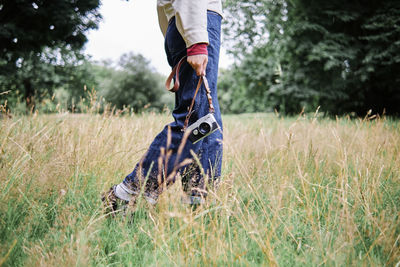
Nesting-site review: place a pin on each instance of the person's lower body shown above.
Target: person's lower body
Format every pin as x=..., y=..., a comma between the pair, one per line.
x=169, y=154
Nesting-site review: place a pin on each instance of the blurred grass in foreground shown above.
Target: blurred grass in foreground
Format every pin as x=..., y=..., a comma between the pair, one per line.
x=295, y=191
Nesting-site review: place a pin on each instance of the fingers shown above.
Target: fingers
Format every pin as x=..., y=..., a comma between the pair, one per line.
x=198, y=63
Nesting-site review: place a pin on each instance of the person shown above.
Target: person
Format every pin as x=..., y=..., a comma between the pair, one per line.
x=191, y=28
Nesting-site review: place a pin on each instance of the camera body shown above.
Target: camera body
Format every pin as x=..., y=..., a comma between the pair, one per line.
x=202, y=127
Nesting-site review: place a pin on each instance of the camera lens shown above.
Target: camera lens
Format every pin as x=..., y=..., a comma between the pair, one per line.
x=204, y=128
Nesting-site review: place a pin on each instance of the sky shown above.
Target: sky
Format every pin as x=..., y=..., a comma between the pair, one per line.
x=132, y=26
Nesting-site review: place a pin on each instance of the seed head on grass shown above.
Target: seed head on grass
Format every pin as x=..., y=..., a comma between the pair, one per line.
x=294, y=191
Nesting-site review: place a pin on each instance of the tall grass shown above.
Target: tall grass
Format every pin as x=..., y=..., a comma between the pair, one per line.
x=296, y=192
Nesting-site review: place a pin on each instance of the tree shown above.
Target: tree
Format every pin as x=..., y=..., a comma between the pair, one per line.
x=132, y=83
x=347, y=51
x=342, y=55
x=38, y=75
x=37, y=37
x=30, y=25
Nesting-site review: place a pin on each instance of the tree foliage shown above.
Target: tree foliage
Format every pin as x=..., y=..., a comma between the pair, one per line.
x=28, y=26
x=40, y=43
x=38, y=75
x=341, y=55
x=132, y=83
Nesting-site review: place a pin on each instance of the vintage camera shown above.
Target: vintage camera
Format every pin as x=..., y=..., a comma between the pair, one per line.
x=202, y=127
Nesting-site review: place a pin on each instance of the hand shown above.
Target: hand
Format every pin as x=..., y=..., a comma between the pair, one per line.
x=198, y=63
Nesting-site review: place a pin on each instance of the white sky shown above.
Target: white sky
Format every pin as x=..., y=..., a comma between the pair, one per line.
x=132, y=27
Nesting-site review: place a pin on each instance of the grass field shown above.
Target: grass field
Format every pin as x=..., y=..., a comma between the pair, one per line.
x=301, y=191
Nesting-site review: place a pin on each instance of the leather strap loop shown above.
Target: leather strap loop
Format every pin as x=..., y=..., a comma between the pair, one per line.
x=174, y=72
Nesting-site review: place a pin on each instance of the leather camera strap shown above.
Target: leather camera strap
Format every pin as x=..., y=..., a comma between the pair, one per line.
x=175, y=88
x=190, y=111
x=174, y=72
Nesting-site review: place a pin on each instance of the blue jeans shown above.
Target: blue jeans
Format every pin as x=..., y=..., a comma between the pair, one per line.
x=163, y=161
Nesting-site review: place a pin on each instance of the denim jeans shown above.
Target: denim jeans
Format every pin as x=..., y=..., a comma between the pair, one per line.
x=159, y=166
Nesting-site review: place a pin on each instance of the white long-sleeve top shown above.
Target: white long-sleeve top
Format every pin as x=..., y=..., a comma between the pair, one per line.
x=190, y=15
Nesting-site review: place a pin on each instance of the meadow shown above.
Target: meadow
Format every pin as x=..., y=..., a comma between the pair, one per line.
x=299, y=191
